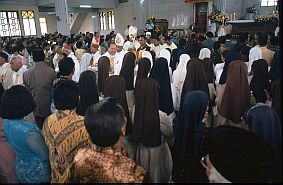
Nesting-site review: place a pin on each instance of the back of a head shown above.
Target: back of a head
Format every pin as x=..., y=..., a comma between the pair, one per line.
x=79, y=44
x=66, y=95
x=182, y=42
x=4, y=56
x=222, y=39
x=240, y=156
x=216, y=45
x=228, y=36
x=167, y=38
x=262, y=39
x=209, y=34
x=66, y=66
x=274, y=40
x=143, y=69
x=38, y=55
x=17, y=102
x=104, y=121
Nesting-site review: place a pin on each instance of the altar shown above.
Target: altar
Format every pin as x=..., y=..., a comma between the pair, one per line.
x=251, y=26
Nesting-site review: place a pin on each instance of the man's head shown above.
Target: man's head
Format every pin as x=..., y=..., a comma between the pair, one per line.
x=168, y=40
x=237, y=155
x=66, y=95
x=142, y=40
x=119, y=48
x=155, y=40
x=46, y=46
x=66, y=66
x=209, y=35
x=94, y=48
x=3, y=58
x=262, y=39
x=38, y=55
x=105, y=122
x=112, y=48
x=16, y=63
x=79, y=44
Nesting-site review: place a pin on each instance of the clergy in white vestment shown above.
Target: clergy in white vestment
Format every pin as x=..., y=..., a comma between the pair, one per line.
x=204, y=53
x=95, y=55
x=111, y=54
x=169, y=44
x=156, y=46
x=76, y=75
x=120, y=53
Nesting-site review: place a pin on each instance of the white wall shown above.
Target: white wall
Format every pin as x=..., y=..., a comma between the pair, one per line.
x=19, y=8
x=87, y=25
x=50, y=21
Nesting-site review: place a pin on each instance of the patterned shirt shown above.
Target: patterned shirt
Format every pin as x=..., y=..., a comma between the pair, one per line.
x=64, y=133
x=106, y=165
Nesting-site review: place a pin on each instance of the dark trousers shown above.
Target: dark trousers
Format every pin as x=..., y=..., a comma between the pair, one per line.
x=39, y=121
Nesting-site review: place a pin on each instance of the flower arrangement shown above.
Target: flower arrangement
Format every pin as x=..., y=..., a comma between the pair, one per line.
x=218, y=17
x=273, y=17
x=252, y=9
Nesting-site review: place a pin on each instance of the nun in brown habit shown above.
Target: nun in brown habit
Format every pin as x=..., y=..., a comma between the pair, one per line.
x=103, y=73
x=151, y=128
x=195, y=78
x=143, y=69
x=115, y=86
x=127, y=72
x=236, y=96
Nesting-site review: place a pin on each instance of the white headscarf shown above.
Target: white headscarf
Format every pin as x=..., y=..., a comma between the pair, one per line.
x=147, y=54
x=85, y=61
x=204, y=53
x=164, y=53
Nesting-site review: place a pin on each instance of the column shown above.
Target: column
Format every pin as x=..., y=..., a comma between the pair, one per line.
x=139, y=21
x=96, y=23
x=61, y=9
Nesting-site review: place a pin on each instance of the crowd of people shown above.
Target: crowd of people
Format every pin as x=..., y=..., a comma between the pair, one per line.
x=124, y=109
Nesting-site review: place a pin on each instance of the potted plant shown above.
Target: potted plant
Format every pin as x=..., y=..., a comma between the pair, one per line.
x=252, y=11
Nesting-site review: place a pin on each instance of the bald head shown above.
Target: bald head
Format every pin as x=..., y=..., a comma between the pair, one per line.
x=16, y=63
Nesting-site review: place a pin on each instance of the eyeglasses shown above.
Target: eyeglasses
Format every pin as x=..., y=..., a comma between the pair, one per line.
x=203, y=162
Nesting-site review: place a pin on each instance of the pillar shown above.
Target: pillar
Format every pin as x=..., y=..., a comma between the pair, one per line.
x=96, y=23
x=61, y=9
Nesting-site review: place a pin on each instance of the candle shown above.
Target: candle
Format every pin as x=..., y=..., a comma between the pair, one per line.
x=234, y=16
x=231, y=17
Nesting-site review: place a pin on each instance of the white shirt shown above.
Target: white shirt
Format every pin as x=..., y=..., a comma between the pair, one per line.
x=20, y=76
x=118, y=61
x=172, y=46
x=4, y=68
x=156, y=49
x=255, y=54
x=55, y=63
x=76, y=75
x=95, y=58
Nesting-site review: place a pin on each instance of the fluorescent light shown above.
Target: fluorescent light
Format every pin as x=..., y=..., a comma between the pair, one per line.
x=93, y=16
x=50, y=13
x=85, y=6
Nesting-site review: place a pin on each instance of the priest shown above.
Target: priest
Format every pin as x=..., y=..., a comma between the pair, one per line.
x=120, y=53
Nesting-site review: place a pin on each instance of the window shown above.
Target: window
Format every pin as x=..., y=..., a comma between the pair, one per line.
x=111, y=20
x=9, y=24
x=102, y=21
x=268, y=3
x=43, y=25
x=28, y=22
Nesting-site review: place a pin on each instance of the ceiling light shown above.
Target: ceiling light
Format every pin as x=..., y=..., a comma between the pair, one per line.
x=50, y=13
x=85, y=6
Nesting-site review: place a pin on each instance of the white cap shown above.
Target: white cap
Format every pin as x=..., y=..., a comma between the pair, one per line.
x=133, y=31
x=119, y=40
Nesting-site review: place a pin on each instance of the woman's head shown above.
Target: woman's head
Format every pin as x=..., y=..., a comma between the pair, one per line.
x=17, y=102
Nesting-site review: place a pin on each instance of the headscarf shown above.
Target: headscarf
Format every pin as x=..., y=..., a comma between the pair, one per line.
x=230, y=56
x=179, y=74
x=146, y=127
x=204, y=53
x=195, y=78
x=164, y=53
x=115, y=86
x=236, y=96
x=207, y=65
x=85, y=61
x=147, y=54
x=187, y=141
x=259, y=82
x=143, y=68
x=127, y=70
x=103, y=72
x=264, y=122
x=240, y=156
x=160, y=73
x=88, y=91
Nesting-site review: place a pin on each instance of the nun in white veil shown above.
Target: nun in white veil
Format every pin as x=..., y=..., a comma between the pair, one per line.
x=147, y=54
x=204, y=53
x=178, y=78
x=85, y=62
x=164, y=53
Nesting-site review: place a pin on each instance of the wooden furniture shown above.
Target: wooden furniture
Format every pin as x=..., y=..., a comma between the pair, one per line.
x=161, y=25
x=251, y=26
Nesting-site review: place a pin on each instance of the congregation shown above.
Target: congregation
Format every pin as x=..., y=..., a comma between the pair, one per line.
x=140, y=108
